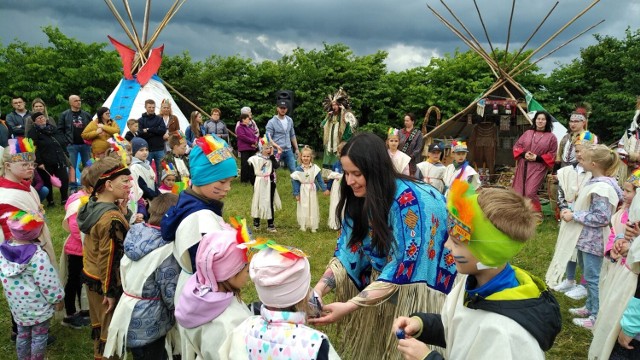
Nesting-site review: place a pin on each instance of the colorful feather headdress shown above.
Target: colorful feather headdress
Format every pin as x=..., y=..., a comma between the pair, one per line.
x=393, y=132
x=118, y=143
x=28, y=220
x=22, y=149
x=180, y=186
x=214, y=148
x=634, y=178
x=469, y=225
x=339, y=97
x=258, y=244
x=167, y=169
x=586, y=138
x=265, y=140
x=459, y=146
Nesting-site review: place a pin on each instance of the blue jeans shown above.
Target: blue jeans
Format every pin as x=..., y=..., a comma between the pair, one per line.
x=590, y=265
x=289, y=159
x=157, y=156
x=43, y=192
x=85, y=154
x=571, y=270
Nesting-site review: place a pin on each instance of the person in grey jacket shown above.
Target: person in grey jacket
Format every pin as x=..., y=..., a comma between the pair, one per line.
x=216, y=126
x=280, y=130
x=15, y=119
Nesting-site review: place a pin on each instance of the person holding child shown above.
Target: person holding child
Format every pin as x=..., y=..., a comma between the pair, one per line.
x=282, y=278
x=104, y=220
x=305, y=179
x=390, y=258
x=460, y=167
x=210, y=305
x=144, y=316
x=497, y=310
x=400, y=159
x=589, y=224
x=30, y=281
x=265, y=195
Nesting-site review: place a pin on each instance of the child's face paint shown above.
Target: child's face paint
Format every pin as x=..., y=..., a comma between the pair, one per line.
x=465, y=261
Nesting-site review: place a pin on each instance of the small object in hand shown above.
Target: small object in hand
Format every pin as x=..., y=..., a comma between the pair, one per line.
x=400, y=334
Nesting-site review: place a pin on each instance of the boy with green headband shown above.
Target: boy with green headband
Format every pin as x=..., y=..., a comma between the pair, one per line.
x=496, y=311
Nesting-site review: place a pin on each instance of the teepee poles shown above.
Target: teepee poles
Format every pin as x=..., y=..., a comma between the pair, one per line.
x=133, y=24
x=145, y=23
x=486, y=34
x=506, y=50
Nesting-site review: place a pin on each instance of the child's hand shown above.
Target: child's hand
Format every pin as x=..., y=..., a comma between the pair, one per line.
x=621, y=247
x=297, y=197
x=326, y=193
x=59, y=306
x=624, y=340
x=111, y=302
x=412, y=349
x=139, y=218
x=566, y=215
x=410, y=326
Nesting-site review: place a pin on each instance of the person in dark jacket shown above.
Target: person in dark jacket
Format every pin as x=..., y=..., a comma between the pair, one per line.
x=15, y=119
x=497, y=311
x=51, y=155
x=71, y=124
x=153, y=129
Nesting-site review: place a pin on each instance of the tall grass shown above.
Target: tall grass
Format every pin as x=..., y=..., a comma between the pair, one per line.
x=572, y=343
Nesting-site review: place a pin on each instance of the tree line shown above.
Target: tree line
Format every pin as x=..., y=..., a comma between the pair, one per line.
x=605, y=74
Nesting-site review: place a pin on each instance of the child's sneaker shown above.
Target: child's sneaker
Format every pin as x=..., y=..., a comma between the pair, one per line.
x=580, y=312
x=577, y=293
x=587, y=323
x=564, y=286
x=272, y=229
x=73, y=321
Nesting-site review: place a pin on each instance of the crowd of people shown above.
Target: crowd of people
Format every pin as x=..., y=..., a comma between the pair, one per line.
x=422, y=264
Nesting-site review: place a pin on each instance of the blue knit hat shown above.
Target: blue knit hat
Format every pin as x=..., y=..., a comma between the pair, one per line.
x=138, y=143
x=211, y=160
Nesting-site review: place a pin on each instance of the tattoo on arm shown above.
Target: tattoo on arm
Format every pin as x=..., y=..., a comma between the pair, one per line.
x=329, y=279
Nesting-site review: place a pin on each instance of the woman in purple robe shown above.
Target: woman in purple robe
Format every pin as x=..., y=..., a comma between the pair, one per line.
x=534, y=153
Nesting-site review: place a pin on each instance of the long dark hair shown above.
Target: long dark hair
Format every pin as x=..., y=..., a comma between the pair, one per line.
x=369, y=154
x=548, y=126
x=101, y=112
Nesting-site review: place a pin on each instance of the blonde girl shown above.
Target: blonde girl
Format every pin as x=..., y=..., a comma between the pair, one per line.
x=591, y=216
x=400, y=160
x=305, y=179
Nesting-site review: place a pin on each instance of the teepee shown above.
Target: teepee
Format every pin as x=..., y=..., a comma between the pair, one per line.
x=506, y=103
x=140, y=67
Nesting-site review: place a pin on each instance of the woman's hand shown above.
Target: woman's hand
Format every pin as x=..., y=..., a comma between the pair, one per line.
x=333, y=312
x=631, y=231
x=412, y=349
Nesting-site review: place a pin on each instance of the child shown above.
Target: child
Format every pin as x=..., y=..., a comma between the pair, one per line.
x=400, y=160
x=132, y=125
x=177, y=156
x=305, y=179
x=571, y=179
x=105, y=222
x=335, y=177
x=432, y=171
x=282, y=281
x=72, y=256
x=144, y=315
x=31, y=284
x=265, y=196
x=168, y=178
x=460, y=168
x=210, y=304
x=497, y=311
x=589, y=221
x=143, y=174
x=199, y=208
x=617, y=278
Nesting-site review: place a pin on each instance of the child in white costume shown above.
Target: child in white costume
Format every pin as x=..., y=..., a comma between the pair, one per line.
x=460, y=168
x=497, y=311
x=305, y=180
x=432, y=171
x=199, y=208
x=143, y=175
x=210, y=305
x=399, y=159
x=265, y=195
x=335, y=178
x=282, y=280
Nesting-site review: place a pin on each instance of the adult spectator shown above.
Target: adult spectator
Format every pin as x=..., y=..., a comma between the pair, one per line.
x=395, y=227
x=37, y=105
x=170, y=121
x=4, y=133
x=280, y=130
x=153, y=129
x=337, y=126
x=411, y=142
x=247, y=146
x=216, y=126
x=51, y=155
x=534, y=153
x=71, y=124
x=252, y=124
x=99, y=131
x=15, y=119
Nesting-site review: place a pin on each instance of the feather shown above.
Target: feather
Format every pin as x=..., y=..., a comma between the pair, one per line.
x=459, y=203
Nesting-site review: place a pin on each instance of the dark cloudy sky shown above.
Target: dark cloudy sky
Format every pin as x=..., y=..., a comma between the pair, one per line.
x=263, y=29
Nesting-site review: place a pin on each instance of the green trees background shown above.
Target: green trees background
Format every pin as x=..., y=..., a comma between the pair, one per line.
x=606, y=74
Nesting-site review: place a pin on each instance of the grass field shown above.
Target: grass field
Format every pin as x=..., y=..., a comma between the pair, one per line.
x=572, y=343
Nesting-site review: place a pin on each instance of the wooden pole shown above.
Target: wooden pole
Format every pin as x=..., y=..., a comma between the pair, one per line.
x=145, y=23
x=486, y=34
x=133, y=24
x=579, y=15
x=167, y=17
x=532, y=35
x=506, y=51
x=557, y=48
x=120, y=20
